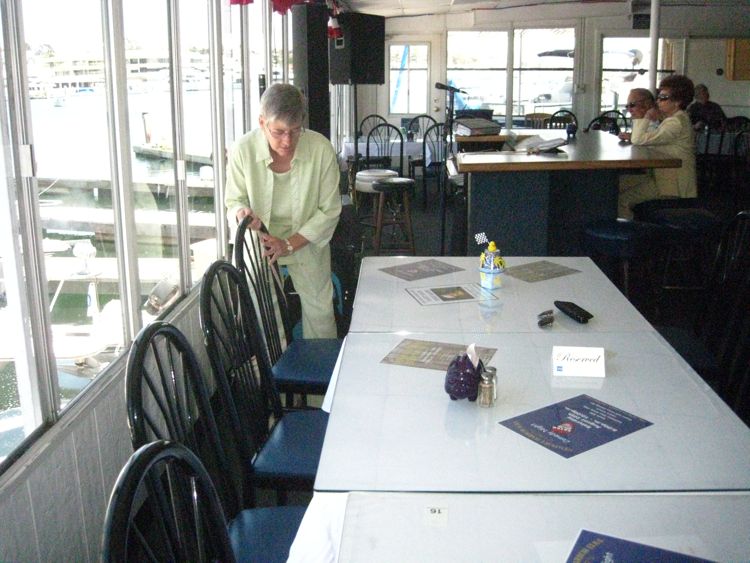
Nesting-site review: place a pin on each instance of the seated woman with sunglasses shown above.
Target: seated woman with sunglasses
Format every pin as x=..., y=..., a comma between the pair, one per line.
x=673, y=137
x=287, y=179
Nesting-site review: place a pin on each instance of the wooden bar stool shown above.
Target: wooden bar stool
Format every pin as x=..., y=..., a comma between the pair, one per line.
x=396, y=193
x=365, y=178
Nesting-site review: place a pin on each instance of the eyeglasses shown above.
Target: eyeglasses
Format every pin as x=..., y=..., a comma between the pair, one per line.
x=633, y=104
x=281, y=133
x=663, y=97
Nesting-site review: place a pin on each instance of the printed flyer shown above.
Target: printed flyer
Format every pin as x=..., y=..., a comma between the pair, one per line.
x=591, y=547
x=576, y=425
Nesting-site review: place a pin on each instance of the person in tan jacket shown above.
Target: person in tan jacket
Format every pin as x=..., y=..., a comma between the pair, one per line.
x=672, y=137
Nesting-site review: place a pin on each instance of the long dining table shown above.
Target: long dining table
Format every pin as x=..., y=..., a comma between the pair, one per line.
x=396, y=438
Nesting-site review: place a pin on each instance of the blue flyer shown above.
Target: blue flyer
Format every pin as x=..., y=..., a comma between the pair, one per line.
x=591, y=547
x=576, y=425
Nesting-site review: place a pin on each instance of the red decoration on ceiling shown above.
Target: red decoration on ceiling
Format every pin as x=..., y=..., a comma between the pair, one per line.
x=282, y=6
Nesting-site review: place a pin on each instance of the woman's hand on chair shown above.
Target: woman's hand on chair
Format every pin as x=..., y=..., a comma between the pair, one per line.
x=255, y=222
x=275, y=247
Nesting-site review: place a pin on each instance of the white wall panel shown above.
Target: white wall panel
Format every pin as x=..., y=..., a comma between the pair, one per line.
x=17, y=532
x=56, y=502
x=90, y=483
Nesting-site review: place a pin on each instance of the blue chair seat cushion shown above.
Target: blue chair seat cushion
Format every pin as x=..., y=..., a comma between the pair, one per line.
x=306, y=365
x=693, y=351
x=265, y=534
x=621, y=238
x=292, y=452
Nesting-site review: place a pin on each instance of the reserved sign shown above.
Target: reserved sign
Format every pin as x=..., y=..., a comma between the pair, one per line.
x=577, y=361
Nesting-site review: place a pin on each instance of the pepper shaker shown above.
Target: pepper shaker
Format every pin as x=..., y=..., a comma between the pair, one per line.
x=487, y=388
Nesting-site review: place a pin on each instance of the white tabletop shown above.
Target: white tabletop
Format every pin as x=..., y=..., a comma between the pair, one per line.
x=393, y=428
x=456, y=527
x=382, y=303
x=412, y=149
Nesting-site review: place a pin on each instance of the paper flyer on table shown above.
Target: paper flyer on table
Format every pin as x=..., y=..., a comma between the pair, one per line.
x=576, y=425
x=420, y=270
x=466, y=293
x=539, y=271
x=591, y=547
x=431, y=355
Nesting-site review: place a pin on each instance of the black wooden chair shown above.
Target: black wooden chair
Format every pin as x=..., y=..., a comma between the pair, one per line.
x=737, y=124
x=561, y=119
x=433, y=150
x=368, y=123
x=612, y=121
x=281, y=449
x=164, y=507
x=385, y=148
x=168, y=399
x=419, y=125
x=717, y=335
x=300, y=366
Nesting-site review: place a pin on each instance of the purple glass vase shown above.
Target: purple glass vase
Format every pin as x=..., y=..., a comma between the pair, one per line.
x=462, y=378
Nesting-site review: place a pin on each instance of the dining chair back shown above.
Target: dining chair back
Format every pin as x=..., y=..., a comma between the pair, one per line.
x=734, y=245
x=300, y=366
x=715, y=160
x=368, y=123
x=536, y=120
x=561, y=119
x=612, y=121
x=164, y=507
x=418, y=125
x=231, y=333
x=738, y=123
x=281, y=449
x=433, y=154
x=385, y=148
x=168, y=398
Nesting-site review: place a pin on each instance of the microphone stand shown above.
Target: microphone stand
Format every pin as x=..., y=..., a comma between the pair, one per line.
x=443, y=176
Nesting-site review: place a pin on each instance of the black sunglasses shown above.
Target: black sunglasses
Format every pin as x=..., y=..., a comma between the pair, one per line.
x=663, y=97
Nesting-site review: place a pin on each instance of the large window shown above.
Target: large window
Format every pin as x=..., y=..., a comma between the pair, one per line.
x=56, y=131
x=408, y=78
x=477, y=62
x=543, y=70
x=625, y=62
x=71, y=147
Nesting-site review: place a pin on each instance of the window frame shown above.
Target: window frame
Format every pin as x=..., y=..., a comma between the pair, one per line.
x=428, y=89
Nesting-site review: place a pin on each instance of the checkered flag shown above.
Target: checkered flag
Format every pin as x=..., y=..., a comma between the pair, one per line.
x=481, y=238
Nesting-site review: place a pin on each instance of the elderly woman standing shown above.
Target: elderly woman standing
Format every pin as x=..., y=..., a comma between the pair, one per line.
x=288, y=179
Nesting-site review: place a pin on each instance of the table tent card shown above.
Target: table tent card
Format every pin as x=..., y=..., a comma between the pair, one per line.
x=575, y=425
x=578, y=361
x=431, y=355
x=420, y=270
x=539, y=271
x=591, y=547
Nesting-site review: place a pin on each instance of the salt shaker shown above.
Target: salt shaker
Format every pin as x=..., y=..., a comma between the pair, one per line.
x=487, y=388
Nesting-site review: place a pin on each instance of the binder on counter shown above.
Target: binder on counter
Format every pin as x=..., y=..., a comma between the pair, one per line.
x=469, y=126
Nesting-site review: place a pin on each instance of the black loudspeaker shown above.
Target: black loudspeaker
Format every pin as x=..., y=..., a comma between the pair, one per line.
x=359, y=56
x=309, y=34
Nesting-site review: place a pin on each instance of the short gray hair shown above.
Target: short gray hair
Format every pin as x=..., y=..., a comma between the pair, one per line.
x=283, y=102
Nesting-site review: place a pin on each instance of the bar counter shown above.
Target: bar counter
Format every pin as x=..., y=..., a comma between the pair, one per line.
x=538, y=204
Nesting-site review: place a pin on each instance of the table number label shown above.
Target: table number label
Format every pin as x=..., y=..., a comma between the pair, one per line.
x=436, y=516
